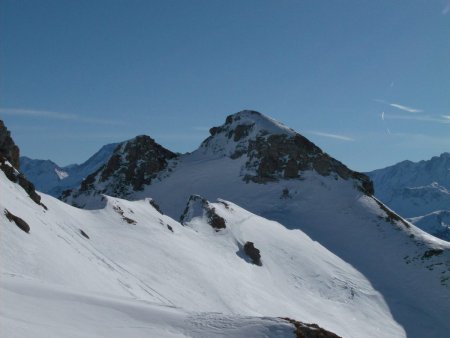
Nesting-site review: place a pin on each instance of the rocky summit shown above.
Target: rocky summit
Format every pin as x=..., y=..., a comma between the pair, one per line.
x=262, y=149
x=132, y=165
x=274, y=151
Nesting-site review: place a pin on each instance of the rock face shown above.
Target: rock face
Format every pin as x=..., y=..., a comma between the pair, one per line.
x=9, y=163
x=253, y=253
x=198, y=206
x=7, y=146
x=21, y=224
x=262, y=150
x=303, y=330
x=132, y=165
x=273, y=151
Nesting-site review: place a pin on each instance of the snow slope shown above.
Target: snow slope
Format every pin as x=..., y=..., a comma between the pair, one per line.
x=416, y=190
x=34, y=309
x=141, y=273
x=273, y=172
x=52, y=179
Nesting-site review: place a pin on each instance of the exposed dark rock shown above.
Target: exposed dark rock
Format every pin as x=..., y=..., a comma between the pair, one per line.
x=215, y=220
x=84, y=234
x=303, y=330
x=432, y=252
x=198, y=206
x=285, y=194
x=7, y=146
x=191, y=204
x=391, y=216
x=253, y=253
x=9, y=152
x=29, y=188
x=242, y=130
x=275, y=156
x=281, y=156
x=121, y=213
x=291, y=169
x=133, y=165
x=156, y=206
x=169, y=227
x=19, y=221
x=129, y=220
x=226, y=205
x=214, y=130
x=16, y=177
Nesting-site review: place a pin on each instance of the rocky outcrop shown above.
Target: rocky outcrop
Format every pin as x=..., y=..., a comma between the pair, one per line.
x=18, y=221
x=9, y=162
x=253, y=253
x=85, y=235
x=132, y=165
x=8, y=148
x=303, y=330
x=274, y=152
x=197, y=206
x=275, y=157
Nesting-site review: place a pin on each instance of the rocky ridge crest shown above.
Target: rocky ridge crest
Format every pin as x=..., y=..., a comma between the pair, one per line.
x=274, y=151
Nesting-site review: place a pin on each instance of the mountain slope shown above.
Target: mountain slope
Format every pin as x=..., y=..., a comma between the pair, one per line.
x=57, y=312
x=52, y=179
x=416, y=190
x=128, y=249
x=276, y=173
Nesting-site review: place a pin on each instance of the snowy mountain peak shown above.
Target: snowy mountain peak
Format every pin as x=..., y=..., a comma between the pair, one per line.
x=260, y=121
x=271, y=151
x=132, y=165
x=232, y=138
x=419, y=190
x=248, y=148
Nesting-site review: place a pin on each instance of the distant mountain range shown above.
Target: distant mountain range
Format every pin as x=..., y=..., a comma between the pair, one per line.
x=419, y=191
x=52, y=179
x=258, y=221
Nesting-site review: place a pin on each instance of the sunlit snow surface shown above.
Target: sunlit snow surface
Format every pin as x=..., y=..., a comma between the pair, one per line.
x=142, y=279
x=391, y=279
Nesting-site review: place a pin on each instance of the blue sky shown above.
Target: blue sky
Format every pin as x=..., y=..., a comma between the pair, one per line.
x=367, y=81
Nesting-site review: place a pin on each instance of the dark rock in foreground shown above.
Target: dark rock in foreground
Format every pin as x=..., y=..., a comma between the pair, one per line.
x=303, y=330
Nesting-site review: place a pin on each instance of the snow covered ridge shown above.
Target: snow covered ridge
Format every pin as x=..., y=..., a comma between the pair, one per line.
x=132, y=165
x=335, y=256
x=265, y=151
x=154, y=276
x=418, y=191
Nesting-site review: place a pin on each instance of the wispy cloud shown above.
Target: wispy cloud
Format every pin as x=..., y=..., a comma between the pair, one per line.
x=423, y=118
x=400, y=106
x=446, y=9
x=56, y=116
x=405, y=108
x=333, y=136
x=37, y=113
